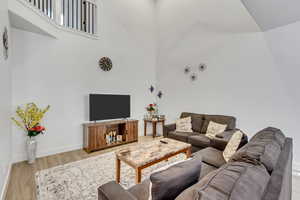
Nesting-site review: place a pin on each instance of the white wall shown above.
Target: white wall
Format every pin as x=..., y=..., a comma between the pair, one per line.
x=241, y=79
x=284, y=44
x=63, y=72
x=5, y=105
x=270, y=14
x=152, y=44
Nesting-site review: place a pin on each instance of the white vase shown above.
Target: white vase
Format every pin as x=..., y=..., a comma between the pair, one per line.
x=31, y=149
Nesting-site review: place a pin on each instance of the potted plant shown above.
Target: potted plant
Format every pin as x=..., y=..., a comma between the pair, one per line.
x=30, y=121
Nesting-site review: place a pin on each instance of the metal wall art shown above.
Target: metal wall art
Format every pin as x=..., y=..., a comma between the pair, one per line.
x=105, y=64
x=159, y=94
x=151, y=89
x=193, y=75
x=5, y=43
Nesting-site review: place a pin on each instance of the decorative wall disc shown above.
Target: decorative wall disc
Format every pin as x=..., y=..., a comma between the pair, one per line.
x=187, y=70
x=193, y=77
x=202, y=67
x=105, y=64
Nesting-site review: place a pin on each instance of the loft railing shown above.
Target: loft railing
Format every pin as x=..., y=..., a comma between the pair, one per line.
x=45, y=6
x=78, y=15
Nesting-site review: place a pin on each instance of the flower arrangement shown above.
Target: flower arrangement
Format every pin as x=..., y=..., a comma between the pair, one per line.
x=31, y=117
x=151, y=107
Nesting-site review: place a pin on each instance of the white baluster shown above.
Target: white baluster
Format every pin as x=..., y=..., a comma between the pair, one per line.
x=79, y=15
x=91, y=18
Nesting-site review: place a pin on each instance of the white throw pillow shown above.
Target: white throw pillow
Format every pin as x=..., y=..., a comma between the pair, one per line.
x=184, y=125
x=232, y=145
x=214, y=128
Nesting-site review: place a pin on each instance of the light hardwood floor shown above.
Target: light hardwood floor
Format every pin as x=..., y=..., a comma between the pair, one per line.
x=22, y=183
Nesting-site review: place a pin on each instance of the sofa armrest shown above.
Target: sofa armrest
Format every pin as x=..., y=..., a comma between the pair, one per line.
x=226, y=135
x=168, y=128
x=221, y=139
x=114, y=191
x=218, y=143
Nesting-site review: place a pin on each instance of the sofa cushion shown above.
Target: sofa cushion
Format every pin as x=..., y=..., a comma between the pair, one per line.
x=197, y=120
x=221, y=119
x=199, y=140
x=233, y=181
x=206, y=169
x=189, y=193
x=181, y=136
x=169, y=183
x=141, y=190
x=264, y=147
x=211, y=156
x=197, y=124
x=270, y=133
x=112, y=191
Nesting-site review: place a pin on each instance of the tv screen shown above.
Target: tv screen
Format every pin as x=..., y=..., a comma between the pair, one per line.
x=107, y=106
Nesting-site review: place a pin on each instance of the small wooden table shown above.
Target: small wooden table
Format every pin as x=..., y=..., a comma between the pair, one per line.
x=154, y=125
x=144, y=155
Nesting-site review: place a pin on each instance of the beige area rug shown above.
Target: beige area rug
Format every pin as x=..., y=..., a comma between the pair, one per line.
x=79, y=180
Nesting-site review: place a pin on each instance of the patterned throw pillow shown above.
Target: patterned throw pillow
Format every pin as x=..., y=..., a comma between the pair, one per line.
x=184, y=125
x=232, y=145
x=214, y=128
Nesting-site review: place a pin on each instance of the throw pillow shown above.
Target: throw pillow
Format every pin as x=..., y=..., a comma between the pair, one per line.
x=232, y=145
x=184, y=125
x=169, y=183
x=214, y=128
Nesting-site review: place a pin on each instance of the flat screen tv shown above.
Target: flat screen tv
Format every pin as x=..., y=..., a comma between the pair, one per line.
x=108, y=106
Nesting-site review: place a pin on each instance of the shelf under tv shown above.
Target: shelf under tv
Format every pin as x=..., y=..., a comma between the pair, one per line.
x=95, y=133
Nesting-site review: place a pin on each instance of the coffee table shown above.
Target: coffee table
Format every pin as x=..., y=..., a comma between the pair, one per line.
x=144, y=155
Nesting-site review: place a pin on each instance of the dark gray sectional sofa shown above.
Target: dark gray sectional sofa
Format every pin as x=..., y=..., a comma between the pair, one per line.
x=200, y=122
x=260, y=170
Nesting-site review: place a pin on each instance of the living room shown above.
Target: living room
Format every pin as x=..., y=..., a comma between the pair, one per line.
x=232, y=58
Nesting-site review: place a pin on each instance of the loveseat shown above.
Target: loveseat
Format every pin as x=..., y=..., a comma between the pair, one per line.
x=200, y=122
x=260, y=170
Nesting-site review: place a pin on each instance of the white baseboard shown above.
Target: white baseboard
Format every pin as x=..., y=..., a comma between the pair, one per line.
x=296, y=169
x=6, y=182
x=22, y=157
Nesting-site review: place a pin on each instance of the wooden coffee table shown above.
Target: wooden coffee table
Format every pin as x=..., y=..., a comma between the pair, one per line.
x=144, y=155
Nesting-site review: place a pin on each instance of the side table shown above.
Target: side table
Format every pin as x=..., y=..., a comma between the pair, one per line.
x=154, y=123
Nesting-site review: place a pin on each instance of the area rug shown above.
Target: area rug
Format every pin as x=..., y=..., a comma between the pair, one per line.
x=79, y=180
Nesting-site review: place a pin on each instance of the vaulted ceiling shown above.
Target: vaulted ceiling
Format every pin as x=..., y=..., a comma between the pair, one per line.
x=270, y=14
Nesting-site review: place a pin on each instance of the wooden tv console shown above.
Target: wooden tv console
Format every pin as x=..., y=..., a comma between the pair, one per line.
x=94, y=134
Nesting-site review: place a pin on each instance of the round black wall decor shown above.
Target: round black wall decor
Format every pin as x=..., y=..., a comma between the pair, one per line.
x=5, y=43
x=105, y=64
